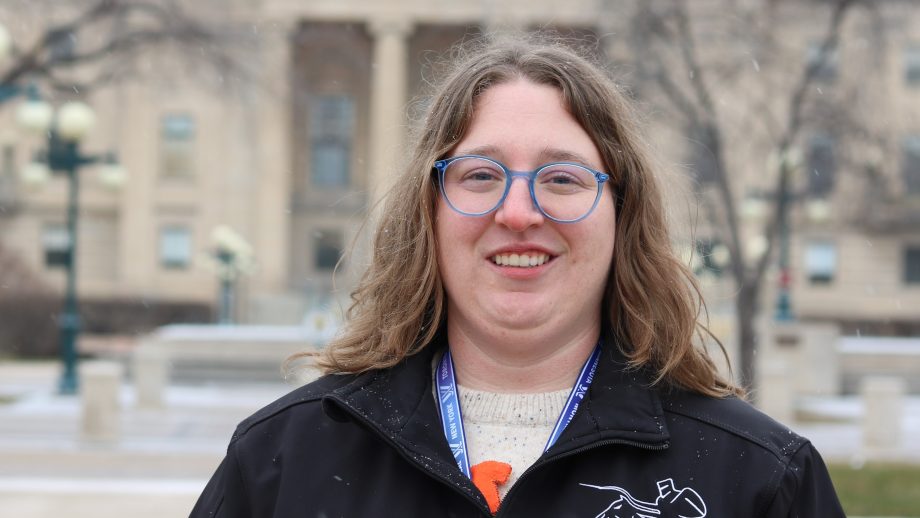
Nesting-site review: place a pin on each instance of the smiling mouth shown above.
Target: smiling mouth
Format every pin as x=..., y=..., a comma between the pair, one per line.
x=526, y=260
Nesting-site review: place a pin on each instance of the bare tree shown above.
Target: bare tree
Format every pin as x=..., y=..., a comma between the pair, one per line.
x=16, y=277
x=85, y=44
x=27, y=305
x=691, y=84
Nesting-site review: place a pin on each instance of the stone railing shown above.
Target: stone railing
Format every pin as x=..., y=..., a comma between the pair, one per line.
x=862, y=357
x=203, y=353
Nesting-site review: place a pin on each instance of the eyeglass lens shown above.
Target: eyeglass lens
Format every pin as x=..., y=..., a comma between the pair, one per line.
x=564, y=191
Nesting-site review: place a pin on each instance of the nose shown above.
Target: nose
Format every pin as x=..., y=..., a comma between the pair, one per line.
x=518, y=212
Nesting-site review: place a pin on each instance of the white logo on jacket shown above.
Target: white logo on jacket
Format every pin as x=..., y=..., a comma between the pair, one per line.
x=671, y=502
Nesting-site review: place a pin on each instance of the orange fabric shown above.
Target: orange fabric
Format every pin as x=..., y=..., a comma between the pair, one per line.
x=487, y=477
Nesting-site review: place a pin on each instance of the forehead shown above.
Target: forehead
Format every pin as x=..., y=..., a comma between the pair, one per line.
x=524, y=121
x=547, y=154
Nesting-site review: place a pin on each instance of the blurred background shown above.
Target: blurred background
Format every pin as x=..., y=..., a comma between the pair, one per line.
x=183, y=186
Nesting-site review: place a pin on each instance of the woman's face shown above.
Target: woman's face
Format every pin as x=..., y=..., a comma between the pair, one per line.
x=524, y=125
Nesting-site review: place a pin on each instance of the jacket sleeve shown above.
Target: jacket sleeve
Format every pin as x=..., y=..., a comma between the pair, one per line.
x=806, y=489
x=225, y=495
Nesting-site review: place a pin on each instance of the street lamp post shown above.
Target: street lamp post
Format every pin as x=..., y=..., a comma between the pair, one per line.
x=227, y=279
x=818, y=210
x=757, y=245
x=233, y=255
x=783, y=296
x=65, y=156
x=73, y=121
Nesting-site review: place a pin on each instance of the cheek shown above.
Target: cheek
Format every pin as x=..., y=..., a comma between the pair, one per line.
x=456, y=231
x=456, y=236
x=599, y=239
x=440, y=233
x=594, y=261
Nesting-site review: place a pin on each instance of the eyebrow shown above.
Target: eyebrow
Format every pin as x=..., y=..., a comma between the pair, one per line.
x=547, y=154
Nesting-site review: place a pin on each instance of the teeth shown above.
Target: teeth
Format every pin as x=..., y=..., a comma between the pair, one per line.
x=520, y=260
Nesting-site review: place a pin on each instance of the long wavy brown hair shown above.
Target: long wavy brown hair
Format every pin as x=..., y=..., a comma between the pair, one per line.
x=652, y=302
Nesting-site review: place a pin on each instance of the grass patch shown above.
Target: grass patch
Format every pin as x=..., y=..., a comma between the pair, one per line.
x=878, y=489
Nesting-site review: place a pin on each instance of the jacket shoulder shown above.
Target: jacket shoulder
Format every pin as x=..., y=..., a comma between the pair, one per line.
x=302, y=399
x=737, y=418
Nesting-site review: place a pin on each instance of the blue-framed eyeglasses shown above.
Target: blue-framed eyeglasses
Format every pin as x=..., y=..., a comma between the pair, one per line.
x=476, y=185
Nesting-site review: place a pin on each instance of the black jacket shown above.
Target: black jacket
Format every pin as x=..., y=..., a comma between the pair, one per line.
x=372, y=446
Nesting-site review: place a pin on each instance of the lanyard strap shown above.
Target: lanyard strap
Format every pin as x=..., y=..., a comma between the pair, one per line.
x=452, y=420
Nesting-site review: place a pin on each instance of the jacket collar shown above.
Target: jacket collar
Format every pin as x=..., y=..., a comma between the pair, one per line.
x=620, y=406
x=399, y=404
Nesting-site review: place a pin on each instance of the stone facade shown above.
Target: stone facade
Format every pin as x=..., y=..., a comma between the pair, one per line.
x=294, y=160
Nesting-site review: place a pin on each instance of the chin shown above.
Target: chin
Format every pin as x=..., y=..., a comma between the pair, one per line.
x=514, y=323
x=519, y=312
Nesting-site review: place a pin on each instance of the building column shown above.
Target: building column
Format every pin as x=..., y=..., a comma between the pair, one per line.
x=269, y=298
x=389, y=92
x=138, y=250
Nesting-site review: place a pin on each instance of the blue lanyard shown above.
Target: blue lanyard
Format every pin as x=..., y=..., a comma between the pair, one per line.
x=452, y=421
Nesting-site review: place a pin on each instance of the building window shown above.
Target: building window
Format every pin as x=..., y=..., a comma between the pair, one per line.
x=910, y=164
x=177, y=145
x=63, y=44
x=713, y=257
x=912, y=265
x=826, y=64
x=331, y=133
x=702, y=162
x=56, y=245
x=912, y=65
x=822, y=166
x=327, y=249
x=175, y=247
x=8, y=161
x=7, y=175
x=820, y=262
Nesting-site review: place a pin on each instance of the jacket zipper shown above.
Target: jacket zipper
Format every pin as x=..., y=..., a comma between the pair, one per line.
x=404, y=454
x=626, y=442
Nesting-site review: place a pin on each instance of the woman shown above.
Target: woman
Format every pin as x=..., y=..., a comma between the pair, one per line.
x=523, y=342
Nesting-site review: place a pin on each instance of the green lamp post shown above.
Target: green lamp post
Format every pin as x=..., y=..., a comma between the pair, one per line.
x=62, y=155
x=233, y=257
x=64, y=132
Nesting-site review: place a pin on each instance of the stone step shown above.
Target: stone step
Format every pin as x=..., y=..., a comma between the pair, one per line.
x=120, y=463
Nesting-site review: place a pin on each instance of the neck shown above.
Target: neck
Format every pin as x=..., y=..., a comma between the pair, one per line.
x=521, y=365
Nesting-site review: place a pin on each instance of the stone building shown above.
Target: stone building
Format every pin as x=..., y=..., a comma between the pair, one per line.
x=293, y=160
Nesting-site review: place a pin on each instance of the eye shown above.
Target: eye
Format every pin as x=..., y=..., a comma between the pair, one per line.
x=569, y=178
x=482, y=174
x=560, y=179
x=475, y=172
x=473, y=175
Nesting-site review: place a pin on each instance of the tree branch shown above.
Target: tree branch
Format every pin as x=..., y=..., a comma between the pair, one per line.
x=138, y=25
x=794, y=126
x=712, y=135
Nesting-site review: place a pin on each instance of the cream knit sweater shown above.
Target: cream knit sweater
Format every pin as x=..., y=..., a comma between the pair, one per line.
x=509, y=428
